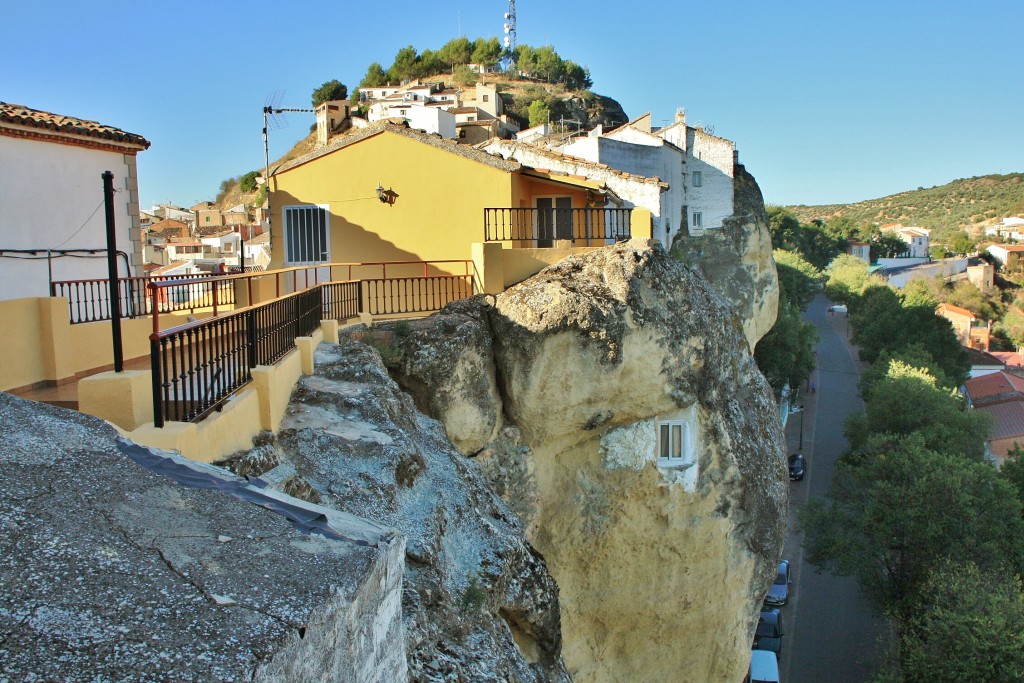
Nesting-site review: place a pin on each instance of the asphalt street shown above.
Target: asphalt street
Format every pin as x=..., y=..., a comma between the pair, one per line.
x=833, y=634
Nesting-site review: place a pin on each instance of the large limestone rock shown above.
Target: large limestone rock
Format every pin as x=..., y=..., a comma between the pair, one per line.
x=110, y=571
x=737, y=259
x=661, y=566
x=478, y=601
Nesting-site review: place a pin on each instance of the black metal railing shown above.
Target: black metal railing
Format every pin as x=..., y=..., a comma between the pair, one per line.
x=89, y=300
x=342, y=300
x=198, y=366
x=542, y=227
x=395, y=296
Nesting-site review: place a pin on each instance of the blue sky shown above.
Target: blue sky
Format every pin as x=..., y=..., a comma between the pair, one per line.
x=826, y=101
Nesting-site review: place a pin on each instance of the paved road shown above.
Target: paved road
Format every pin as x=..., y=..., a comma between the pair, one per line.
x=832, y=633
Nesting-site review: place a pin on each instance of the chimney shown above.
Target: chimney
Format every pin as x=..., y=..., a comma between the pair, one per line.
x=680, y=115
x=329, y=117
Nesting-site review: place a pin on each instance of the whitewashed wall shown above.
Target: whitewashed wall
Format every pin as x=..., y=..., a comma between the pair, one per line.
x=48, y=195
x=714, y=158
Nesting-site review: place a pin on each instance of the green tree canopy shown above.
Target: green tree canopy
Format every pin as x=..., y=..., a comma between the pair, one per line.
x=539, y=113
x=847, y=277
x=968, y=626
x=375, y=76
x=798, y=279
x=913, y=355
x=896, y=509
x=961, y=243
x=906, y=401
x=329, y=91
x=406, y=65
x=786, y=353
x=456, y=51
x=247, y=183
x=881, y=322
x=487, y=51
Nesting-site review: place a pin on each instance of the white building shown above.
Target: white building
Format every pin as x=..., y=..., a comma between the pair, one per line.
x=917, y=239
x=426, y=117
x=698, y=167
x=51, y=198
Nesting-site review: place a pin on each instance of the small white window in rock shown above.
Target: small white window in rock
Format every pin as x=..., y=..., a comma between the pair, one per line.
x=697, y=180
x=672, y=446
x=698, y=219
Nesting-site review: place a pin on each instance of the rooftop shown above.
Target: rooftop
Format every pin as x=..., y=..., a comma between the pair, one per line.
x=67, y=125
x=996, y=387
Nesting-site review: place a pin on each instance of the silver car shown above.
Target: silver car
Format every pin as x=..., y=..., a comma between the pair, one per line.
x=778, y=594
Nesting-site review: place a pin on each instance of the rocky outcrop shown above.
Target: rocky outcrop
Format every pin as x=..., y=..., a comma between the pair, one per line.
x=661, y=564
x=110, y=571
x=478, y=601
x=593, y=110
x=737, y=259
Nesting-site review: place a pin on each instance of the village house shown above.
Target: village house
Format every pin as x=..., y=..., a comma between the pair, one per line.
x=51, y=215
x=969, y=330
x=1008, y=255
x=861, y=250
x=917, y=239
x=390, y=193
x=472, y=114
x=1001, y=395
x=694, y=168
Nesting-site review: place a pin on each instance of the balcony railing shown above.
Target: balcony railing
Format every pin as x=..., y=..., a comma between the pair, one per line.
x=542, y=227
x=89, y=300
x=196, y=367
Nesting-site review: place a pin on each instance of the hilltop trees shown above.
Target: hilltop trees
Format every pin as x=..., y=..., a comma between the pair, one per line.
x=331, y=90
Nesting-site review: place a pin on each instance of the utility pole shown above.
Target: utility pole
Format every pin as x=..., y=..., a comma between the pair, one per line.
x=113, y=286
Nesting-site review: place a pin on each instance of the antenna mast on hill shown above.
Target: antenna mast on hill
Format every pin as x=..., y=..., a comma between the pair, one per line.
x=510, y=36
x=271, y=109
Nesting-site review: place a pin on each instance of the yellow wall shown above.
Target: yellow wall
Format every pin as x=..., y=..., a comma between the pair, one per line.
x=437, y=212
x=21, y=363
x=42, y=346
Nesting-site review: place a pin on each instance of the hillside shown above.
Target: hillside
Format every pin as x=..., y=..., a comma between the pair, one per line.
x=970, y=203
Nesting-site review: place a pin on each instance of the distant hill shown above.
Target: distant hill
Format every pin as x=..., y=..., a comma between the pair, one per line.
x=970, y=203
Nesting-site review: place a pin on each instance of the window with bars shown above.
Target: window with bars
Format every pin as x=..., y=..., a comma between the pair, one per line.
x=306, y=235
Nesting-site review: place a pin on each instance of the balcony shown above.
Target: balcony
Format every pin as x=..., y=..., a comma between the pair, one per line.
x=541, y=228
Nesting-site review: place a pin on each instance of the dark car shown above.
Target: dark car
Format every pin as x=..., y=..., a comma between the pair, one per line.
x=778, y=594
x=797, y=466
x=768, y=635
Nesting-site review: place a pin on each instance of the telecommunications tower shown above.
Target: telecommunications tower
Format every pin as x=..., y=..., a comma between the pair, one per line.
x=510, y=37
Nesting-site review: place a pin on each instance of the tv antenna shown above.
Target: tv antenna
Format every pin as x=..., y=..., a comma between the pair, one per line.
x=271, y=118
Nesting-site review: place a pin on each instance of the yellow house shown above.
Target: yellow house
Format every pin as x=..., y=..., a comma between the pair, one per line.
x=388, y=193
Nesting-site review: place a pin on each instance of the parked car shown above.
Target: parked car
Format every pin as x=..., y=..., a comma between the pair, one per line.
x=764, y=667
x=768, y=635
x=797, y=466
x=838, y=309
x=778, y=594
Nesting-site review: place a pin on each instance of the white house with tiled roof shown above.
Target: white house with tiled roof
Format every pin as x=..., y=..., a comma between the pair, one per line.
x=697, y=166
x=51, y=198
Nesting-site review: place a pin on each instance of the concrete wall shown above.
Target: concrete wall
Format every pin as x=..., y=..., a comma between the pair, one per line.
x=48, y=191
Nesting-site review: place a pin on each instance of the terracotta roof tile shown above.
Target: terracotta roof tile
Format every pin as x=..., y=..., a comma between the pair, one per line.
x=1007, y=418
x=994, y=387
x=35, y=118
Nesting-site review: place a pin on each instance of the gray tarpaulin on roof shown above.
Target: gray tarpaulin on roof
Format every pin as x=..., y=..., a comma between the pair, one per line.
x=306, y=517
